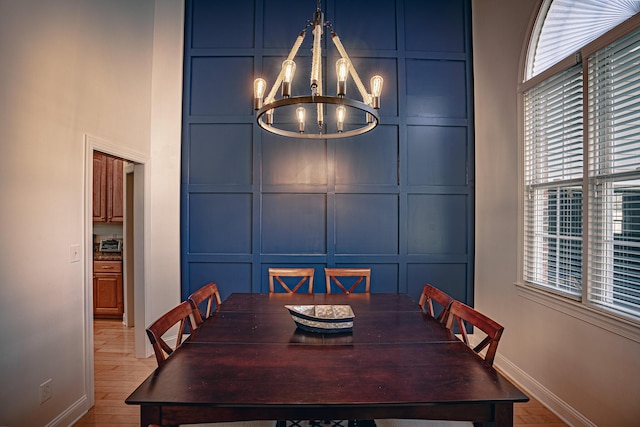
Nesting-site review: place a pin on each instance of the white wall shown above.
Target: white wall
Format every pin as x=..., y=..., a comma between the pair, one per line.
x=72, y=68
x=162, y=245
x=585, y=372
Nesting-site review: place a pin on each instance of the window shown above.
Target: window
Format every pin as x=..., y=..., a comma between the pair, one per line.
x=553, y=174
x=614, y=175
x=582, y=175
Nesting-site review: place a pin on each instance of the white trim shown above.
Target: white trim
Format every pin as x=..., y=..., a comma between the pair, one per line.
x=71, y=415
x=107, y=147
x=88, y=273
x=91, y=144
x=588, y=313
x=542, y=394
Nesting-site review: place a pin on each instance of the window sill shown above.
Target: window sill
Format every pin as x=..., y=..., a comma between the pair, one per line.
x=621, y=326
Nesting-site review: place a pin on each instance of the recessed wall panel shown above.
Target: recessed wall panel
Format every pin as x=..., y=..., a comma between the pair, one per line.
x=284, y=20
x=292, y=161
x=450, y=278
x=363, y=24
x=223, y=24
x=372, y=160
x=437, y=155
x=294, y=223
x=220, y=154
x=221, y=86
x=435, y=26
x=220, y=223
x=230, y=277
x=436, y=88
x=366, y=224
x=437, y=224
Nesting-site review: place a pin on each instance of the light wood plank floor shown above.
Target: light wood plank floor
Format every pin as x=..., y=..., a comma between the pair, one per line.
x=118, y=373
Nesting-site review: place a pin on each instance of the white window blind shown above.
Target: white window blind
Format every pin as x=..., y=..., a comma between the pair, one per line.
x=569, y=25
x=614, y=176
x=553, y=186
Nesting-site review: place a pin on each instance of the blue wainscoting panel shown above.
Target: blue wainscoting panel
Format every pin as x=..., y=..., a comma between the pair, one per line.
x=231, y=29
x=221, y=86
x=294, y=224
x=292, y=161
x=283, y=20
x=230, y=277
x=451, y=278
x=398, y=199
x=379, y=32
x=436, y=88
x=437, y=224
x=436, y=26
x=220, y=154
x=366, y=224
x=372, y=160
x=220, y=223
x=439, y=155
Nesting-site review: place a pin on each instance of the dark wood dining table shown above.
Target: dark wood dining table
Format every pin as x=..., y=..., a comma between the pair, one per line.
x=248, y=361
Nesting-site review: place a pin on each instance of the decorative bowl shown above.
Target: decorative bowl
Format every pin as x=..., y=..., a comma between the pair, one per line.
x=324, y=319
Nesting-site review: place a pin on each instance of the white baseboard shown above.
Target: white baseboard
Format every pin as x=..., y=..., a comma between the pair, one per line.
x=72, y=414
x=536, y=390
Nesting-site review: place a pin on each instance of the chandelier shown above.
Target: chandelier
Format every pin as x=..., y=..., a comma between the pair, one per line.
x=350, y=117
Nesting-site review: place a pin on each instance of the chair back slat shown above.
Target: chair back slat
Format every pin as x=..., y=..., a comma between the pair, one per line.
x=305, y=274
x=332, y=274
x=461, y=314
x=179, y=315
x=430, y=294
x=208, y=293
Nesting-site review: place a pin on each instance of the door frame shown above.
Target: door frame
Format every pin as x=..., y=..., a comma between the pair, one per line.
x=91, y=144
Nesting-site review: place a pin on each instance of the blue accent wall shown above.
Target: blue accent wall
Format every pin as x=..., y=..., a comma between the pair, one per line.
x=399, y=199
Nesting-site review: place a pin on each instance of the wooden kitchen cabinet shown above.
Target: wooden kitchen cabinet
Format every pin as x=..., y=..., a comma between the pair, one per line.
x=107, y=289
x=108, y=187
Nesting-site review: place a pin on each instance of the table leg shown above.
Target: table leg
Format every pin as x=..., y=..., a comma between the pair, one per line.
x=149, y=415
x=504, y=414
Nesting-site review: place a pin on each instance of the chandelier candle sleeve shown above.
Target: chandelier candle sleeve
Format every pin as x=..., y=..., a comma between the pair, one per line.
x=342, y=72
x=376, y=90
x=259, y=86
x=301, y=112
x=341, y=112
x=289, y=69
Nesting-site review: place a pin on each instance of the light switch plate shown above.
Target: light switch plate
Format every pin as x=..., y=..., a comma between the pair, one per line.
x=74, y=253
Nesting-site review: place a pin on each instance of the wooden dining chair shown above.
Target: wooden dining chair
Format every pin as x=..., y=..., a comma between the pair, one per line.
x=208, y=293
x=179, y=315
x=461, y=314
x=430, y=294
x=332, y=275
x=305, y=274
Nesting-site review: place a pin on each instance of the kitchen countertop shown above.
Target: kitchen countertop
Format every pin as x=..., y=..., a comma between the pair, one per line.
x=107, y=256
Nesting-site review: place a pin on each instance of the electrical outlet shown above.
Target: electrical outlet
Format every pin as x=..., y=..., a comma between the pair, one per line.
x=74, y=253
x=45, y=390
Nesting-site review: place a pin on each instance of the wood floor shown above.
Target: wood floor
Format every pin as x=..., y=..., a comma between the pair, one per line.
x=118, y=373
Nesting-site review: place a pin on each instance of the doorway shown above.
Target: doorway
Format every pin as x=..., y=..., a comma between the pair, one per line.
x=133, y=249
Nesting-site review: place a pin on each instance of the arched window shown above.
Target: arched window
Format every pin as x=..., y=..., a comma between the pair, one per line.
x=565, y=26
x=582, y=108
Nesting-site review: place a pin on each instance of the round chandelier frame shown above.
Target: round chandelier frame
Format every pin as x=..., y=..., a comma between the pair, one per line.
x=318, y=100
x=266, y=104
